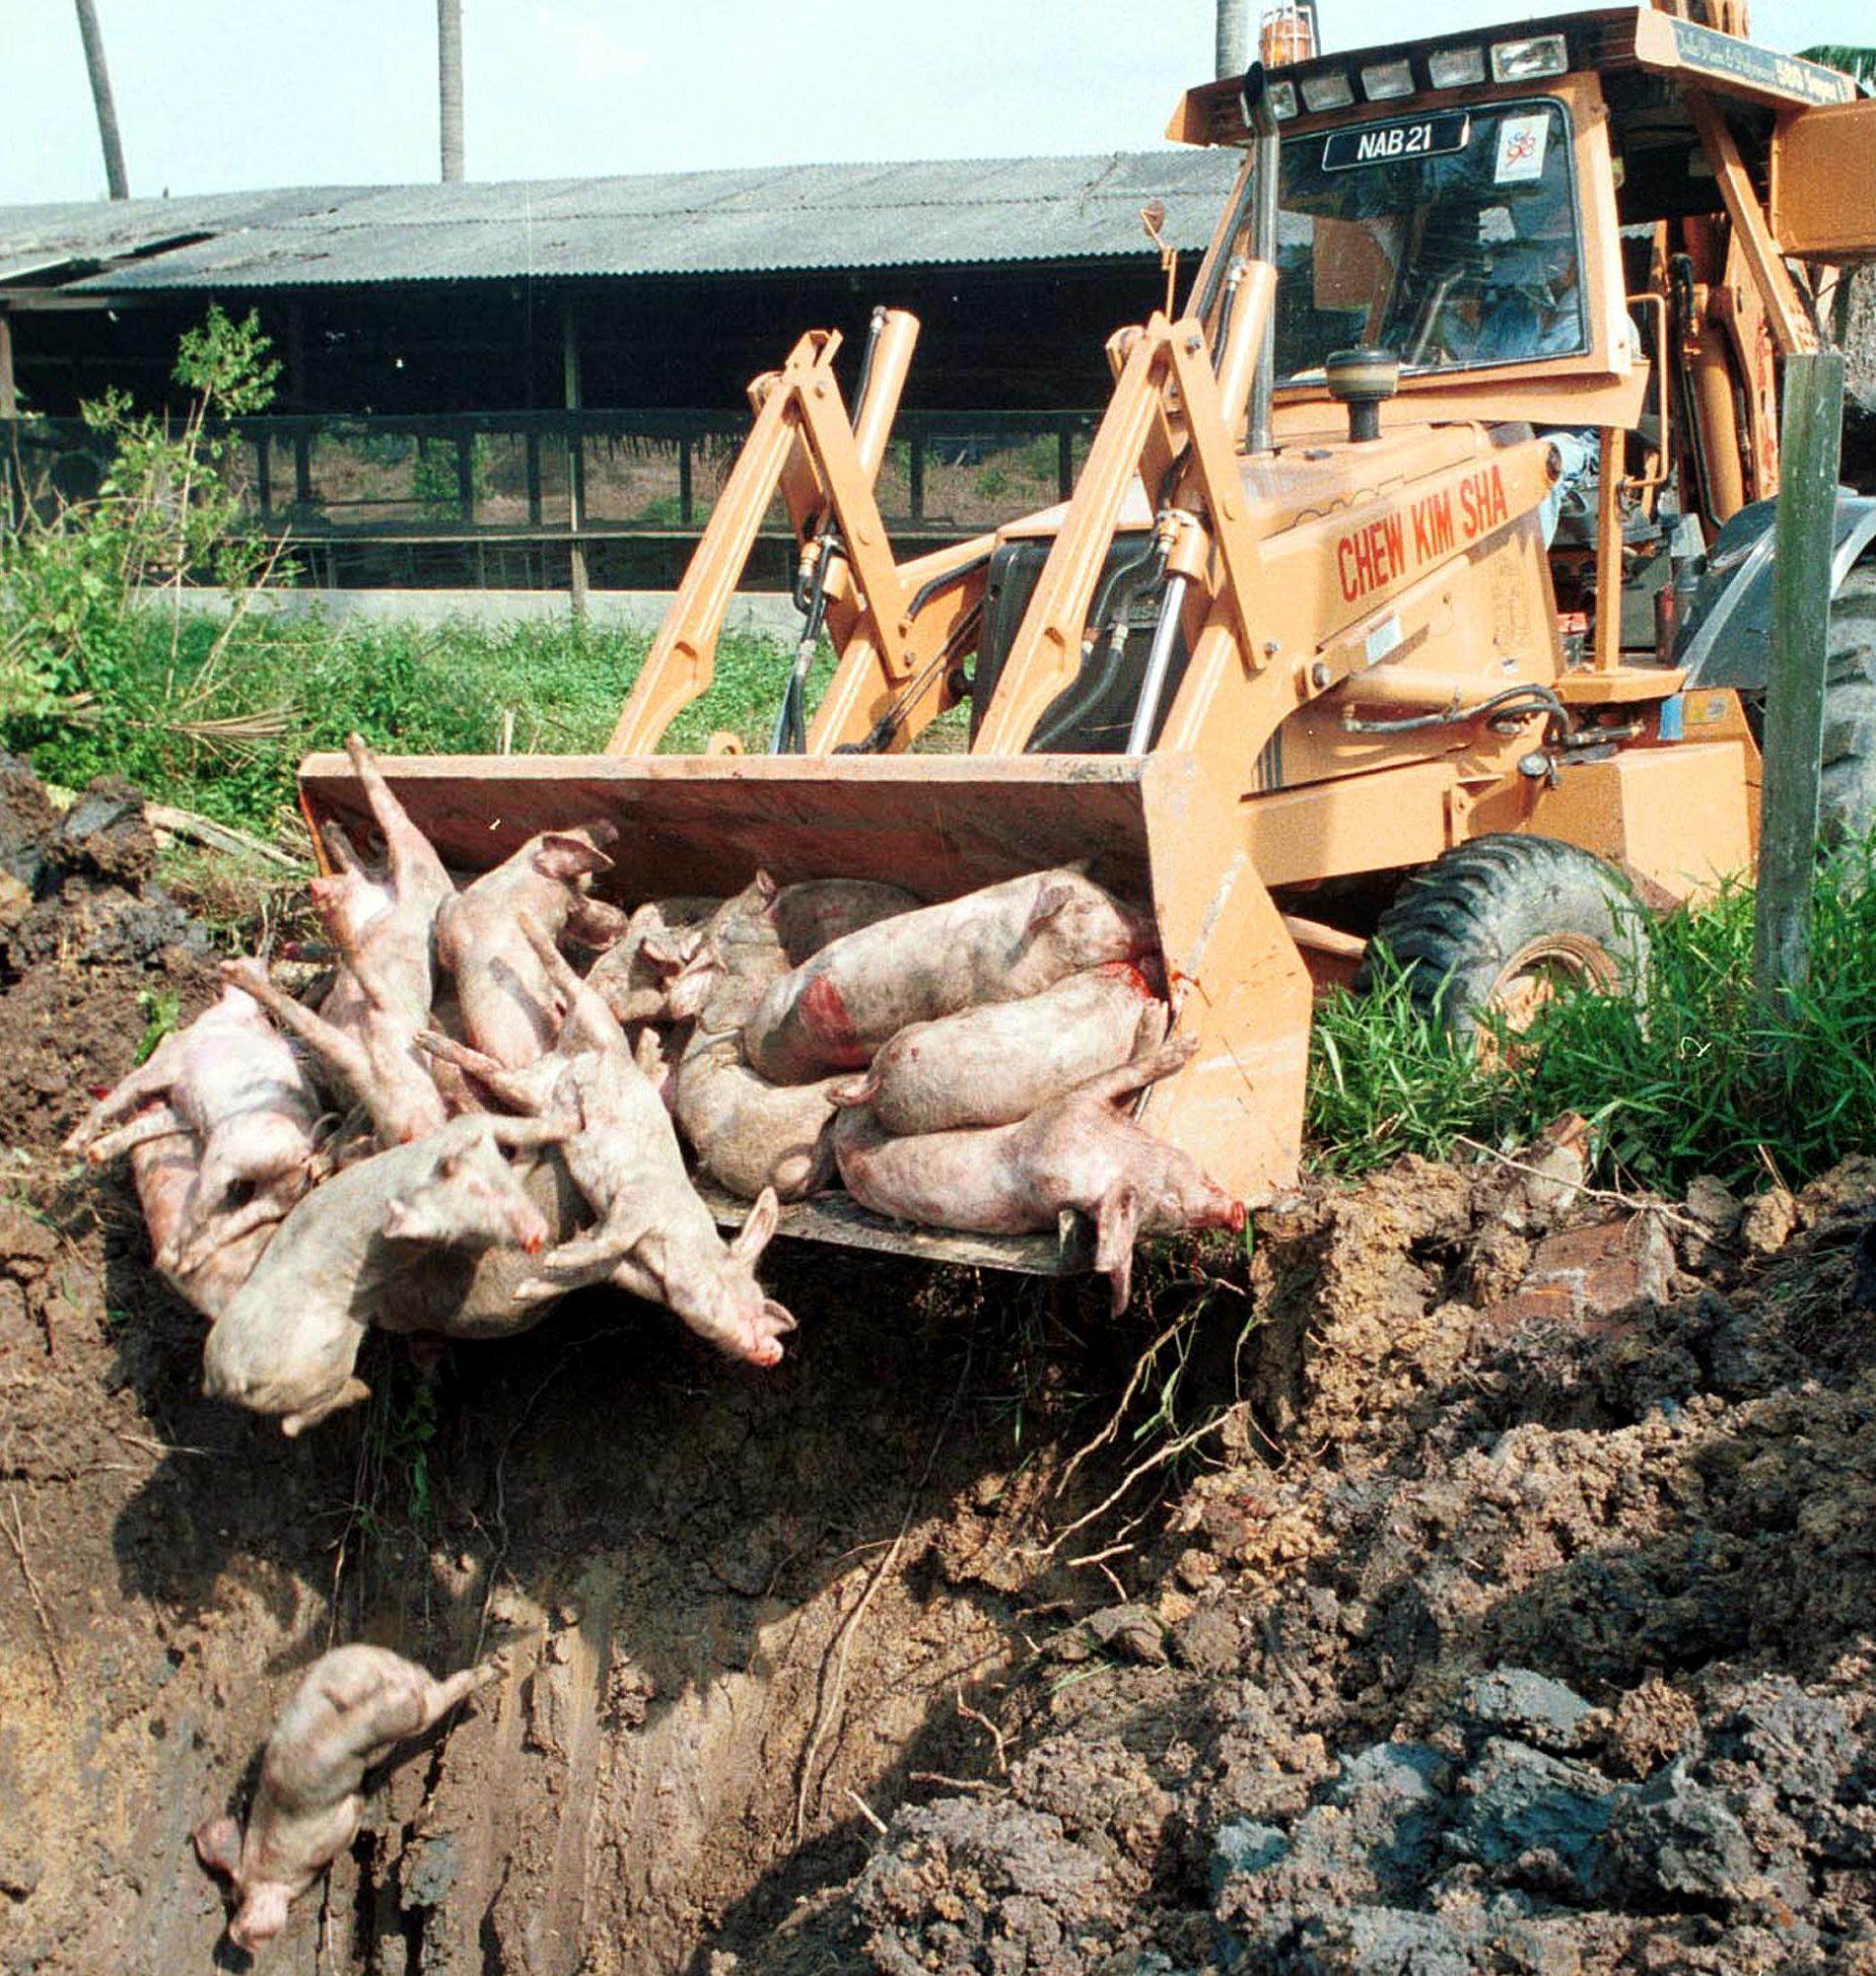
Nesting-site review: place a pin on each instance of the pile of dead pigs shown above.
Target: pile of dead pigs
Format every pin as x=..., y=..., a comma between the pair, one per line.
x=465, y=1126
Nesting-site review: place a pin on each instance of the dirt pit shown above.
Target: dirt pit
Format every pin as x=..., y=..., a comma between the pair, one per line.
x=1507, y=1607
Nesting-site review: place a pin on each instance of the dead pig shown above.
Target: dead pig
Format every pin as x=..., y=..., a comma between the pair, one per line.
x=352, y=1706
x=374, y=1240
x=233, y=1083
x=746, y=1132
x=375, y=1063
x=996, y=944
x=996, y=1064
x=508, y=1005
x=165, y=1172
x=384, y=928
x=384, y=931
x=634, y=975
x=1079, y=1152
x=656, y=1239
x=765, y=924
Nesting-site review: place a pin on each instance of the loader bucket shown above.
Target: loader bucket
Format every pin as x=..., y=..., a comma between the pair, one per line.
x=1152, y=828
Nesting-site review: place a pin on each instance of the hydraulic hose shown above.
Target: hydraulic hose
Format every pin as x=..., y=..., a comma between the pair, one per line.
x=1123, y=585
x=1504, y=712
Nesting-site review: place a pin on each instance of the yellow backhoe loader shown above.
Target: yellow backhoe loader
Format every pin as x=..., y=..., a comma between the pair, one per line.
x=1415, y=586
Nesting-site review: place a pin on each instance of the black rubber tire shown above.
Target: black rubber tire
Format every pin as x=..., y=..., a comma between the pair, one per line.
x=1846, y=796
x=1459, y=925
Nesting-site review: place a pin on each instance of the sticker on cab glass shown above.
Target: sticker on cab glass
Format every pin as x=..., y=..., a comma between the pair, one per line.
x=1521, y=142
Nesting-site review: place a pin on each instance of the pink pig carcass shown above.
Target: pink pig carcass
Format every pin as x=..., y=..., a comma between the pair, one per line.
x=634, y=975
x=996, y=1064
x=364, y=1033
x=996, y=944
x=746, y=1132
x=235, y=1087
x=388, y=1240
x=508, y=1011
x=353, y=1706
x=1079, y=1152
x=655, y=1238
x=165, y=1172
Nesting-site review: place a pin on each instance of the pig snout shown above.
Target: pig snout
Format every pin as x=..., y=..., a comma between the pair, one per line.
x=261, y=1916
x=530, y=1226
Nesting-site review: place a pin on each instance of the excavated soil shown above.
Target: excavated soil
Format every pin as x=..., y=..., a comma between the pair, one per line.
x=1510, y=1609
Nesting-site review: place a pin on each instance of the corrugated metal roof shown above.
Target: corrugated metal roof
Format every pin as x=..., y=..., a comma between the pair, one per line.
x=943, y=212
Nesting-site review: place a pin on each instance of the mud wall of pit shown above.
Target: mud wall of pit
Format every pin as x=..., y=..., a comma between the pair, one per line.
x=720, y=1591
x=726, y=1632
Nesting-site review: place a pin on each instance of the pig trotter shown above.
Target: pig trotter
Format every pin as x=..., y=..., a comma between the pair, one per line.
x=159, y=1123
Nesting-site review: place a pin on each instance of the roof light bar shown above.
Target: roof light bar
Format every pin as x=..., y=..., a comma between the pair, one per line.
x=1456, y=68
x=1330, y=90
x=1520, y=62
x=1282, y=98
x=1382, y=81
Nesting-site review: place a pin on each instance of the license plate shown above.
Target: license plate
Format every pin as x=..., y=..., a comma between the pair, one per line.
x=1390, y=143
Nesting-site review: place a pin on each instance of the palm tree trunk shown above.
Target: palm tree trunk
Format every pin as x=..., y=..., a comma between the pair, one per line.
x=93, y=40
x=449, y=86
x=1234, y=43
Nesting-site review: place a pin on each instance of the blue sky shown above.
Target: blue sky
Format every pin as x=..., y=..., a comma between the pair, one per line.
x=229, y=95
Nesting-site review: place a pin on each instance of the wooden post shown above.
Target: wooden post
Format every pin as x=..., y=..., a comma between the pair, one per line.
x=264, y=476
x=915, y=475
x=1065, y=462
x=531, y=456
x=576, y=462
x=1795, y=688
x=466, y=478
x=9, y=390
x=684, y=507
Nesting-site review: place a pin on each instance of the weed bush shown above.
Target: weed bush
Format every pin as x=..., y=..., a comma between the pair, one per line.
x=1701, y=1077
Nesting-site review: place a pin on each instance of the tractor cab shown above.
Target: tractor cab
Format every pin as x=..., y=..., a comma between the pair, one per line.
x=1582, y=225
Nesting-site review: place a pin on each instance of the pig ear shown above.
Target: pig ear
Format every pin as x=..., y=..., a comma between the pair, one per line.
x=664, y=953
x=217, y=1845
x=1054, y=897
x=648, y=1054
x=1116, y=1228
x=757, y=1229
x=764, y=886
x=561, y=855
x=397, y=1220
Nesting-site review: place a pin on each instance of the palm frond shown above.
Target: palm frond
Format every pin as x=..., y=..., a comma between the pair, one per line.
x=1853, y=61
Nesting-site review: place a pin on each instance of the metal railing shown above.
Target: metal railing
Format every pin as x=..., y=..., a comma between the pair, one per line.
x=494, y=495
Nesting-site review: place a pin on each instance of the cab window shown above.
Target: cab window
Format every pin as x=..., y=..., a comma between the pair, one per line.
x=1450, y=238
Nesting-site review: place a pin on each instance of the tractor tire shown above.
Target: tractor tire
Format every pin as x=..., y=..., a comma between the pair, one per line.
x=1491, y=930
x=1847, y=794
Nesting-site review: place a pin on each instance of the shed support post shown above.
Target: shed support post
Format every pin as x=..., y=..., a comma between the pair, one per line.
x=1065, y=462
x=466, y=478
x=1794, y=687
x=576, y=463
x=9, y=391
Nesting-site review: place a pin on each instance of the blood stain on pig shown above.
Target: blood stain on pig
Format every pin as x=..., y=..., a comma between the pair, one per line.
x=825, y=1011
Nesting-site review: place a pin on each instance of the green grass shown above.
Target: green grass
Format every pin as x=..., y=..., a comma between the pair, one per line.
x=1701, y=1077
x=280, y=690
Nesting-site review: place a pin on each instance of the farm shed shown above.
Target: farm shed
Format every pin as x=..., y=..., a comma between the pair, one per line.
x=486, y=382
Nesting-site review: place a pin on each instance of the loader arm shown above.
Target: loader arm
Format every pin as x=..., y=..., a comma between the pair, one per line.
x=895, y=628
